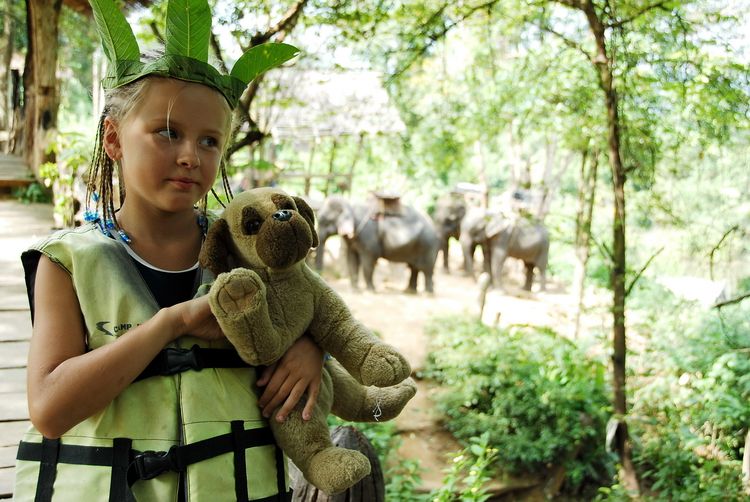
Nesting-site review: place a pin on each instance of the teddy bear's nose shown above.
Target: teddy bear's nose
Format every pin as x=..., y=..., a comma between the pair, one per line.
x=282, y=215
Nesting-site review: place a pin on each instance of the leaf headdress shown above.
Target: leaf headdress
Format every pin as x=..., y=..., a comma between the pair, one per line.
x=186, y=50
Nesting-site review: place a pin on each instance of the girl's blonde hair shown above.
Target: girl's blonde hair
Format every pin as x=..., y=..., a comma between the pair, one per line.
x=119, y=103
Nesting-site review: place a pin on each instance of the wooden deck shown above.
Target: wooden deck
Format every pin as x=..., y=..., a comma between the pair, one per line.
x=20, y=225
x=14, y=172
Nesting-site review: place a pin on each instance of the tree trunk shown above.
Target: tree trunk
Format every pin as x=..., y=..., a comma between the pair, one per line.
x=584, y=215
x=603, y=65
x=7, y=54
x=40, y=81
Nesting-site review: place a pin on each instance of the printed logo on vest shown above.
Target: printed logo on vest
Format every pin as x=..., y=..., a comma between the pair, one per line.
x=118, y=330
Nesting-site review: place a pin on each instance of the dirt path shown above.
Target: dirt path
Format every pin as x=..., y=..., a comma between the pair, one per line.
x=400, y=318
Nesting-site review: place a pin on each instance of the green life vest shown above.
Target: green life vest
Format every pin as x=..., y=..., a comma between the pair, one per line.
x=203, y=422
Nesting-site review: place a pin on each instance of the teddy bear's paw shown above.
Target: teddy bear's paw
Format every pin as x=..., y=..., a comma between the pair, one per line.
x=334, y=469
x=238, y=291
x=384, y=366
x=387, y=403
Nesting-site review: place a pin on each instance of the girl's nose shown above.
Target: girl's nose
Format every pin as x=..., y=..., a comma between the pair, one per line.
x=188, y=156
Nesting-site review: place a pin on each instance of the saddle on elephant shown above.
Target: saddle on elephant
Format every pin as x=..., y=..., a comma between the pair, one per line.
x=386, y=204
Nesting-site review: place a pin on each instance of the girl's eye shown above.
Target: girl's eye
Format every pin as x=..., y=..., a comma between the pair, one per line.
x=167, y=133
x=210, y=142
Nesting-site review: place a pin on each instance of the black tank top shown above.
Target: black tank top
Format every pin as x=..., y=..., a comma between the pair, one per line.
x=169, y=288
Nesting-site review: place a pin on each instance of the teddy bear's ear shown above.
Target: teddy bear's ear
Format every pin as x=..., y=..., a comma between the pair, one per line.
x=309, y=215
x=215, y=250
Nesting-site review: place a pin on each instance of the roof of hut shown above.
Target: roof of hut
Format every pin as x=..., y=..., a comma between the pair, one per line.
x=312, y=104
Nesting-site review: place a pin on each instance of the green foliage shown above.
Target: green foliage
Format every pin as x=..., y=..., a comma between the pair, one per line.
x=469, y=474
x=78, y=41
x=72, y=152
x=402, y=480
x=690, y=398
x=33, y=193
x=541, y=399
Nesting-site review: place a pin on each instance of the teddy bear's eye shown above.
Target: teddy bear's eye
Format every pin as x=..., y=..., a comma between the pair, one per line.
x=252, y=227
x=251, y=220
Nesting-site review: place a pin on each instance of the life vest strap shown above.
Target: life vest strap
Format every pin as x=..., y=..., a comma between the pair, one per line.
x=150, y=464
x=130, y=466
x=172, y=360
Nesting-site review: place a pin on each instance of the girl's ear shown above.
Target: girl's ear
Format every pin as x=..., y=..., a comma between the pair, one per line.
x=111, y=139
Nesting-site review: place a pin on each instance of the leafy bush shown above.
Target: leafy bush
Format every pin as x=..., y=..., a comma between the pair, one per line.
x=540, y=399
x=31, y=194
x=469, y=474
x=690, y=400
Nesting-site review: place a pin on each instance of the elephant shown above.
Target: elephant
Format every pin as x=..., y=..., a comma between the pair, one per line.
x=449, y=211
x=369, y=234
x=519, y=238
x=473, y=234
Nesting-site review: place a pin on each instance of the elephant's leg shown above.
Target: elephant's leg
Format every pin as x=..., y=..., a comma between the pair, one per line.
x=542, y=278
x=368, y=268
x=468, y=250
x=413, y=273
x=529, y=276
x=352, y=261
x=486, y=258
x=428, y=285
x=497, y=263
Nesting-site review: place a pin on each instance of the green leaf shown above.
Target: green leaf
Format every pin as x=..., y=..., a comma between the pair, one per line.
x=262, y=58
x=188, y=28
x=118, y=40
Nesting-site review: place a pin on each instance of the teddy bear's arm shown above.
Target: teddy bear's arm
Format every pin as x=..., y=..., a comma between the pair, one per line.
x=365, y=357
x=238, y=301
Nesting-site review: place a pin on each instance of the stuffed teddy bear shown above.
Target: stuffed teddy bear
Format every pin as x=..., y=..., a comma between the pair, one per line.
x=265, y=297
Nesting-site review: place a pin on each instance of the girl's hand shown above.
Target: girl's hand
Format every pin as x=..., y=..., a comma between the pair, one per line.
x=194, y=318
x=298, y=371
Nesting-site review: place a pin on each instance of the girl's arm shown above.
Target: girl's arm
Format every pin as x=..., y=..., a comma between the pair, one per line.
x=66, y=384
x=298, y=371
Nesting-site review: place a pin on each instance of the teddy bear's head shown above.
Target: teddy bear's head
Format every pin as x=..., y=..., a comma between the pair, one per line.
x=262, y=227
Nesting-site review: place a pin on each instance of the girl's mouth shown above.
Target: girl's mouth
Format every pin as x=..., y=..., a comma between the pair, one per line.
x=182, y=183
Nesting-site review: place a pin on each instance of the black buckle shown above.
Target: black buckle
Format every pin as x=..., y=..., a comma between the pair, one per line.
x=150, y=464
x=179, y=360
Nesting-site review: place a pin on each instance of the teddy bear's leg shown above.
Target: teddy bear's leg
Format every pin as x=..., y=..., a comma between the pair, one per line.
x=384, y=366
x=238, y=300
x=355, y=402
x=308, y=445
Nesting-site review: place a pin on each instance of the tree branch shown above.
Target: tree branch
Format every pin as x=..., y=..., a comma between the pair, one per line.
x=432, y=34
x=568, y=42
x=716, y=248
x=251, y=137
x=640, y=272
x=736, y=299
x=217, y=53
x=286, y=23
x=643, y=10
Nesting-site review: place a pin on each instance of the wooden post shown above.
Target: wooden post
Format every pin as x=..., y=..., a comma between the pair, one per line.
x=370, y=489
x=331, y=160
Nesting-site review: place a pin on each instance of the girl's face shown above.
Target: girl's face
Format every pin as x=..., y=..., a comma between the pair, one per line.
x=170, y=145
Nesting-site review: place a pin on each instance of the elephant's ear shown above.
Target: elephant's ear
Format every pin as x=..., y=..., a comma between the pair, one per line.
x=495, y=226
x=214, y=253
x=309, y=215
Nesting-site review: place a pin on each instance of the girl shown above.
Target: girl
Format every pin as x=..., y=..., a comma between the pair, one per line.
x=132, y=388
